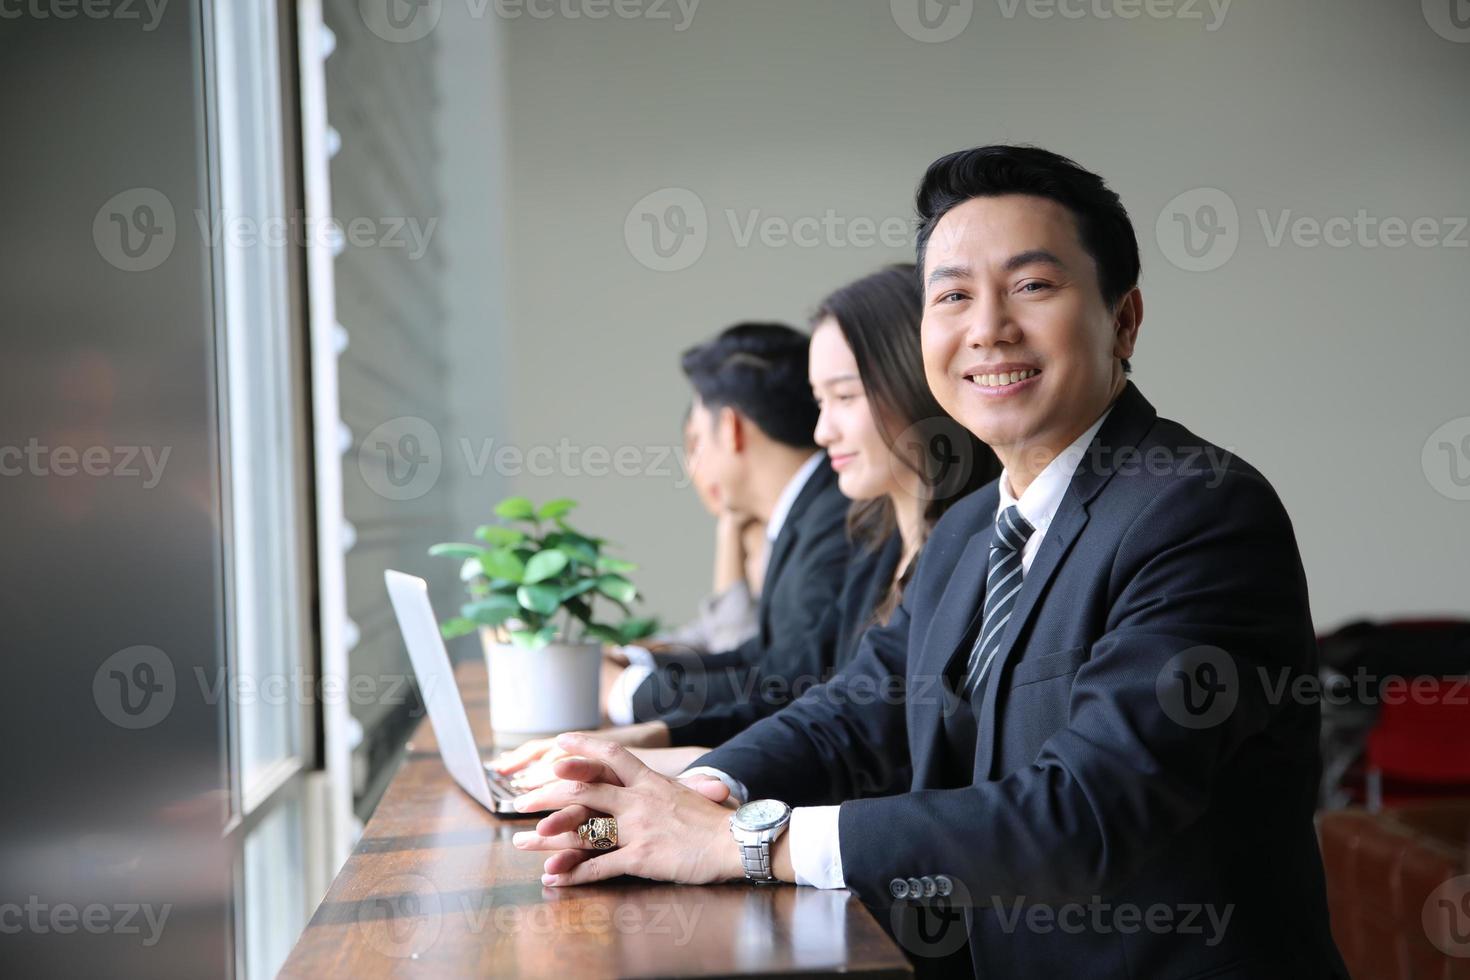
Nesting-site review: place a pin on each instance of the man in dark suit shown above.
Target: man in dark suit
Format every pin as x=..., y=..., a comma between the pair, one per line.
x=754, y=420
x=1110, y=776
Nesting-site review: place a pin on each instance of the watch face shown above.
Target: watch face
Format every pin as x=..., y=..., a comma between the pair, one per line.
x=760, y=814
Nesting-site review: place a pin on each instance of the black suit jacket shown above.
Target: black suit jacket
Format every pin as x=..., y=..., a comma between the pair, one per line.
x=707, y=698
x=1135, y=750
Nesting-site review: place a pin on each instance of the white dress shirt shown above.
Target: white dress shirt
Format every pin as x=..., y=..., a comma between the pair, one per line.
x=641, y=663
x=816, y=854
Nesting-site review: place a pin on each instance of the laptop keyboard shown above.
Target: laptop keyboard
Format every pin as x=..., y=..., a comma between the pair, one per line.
x=504, y=787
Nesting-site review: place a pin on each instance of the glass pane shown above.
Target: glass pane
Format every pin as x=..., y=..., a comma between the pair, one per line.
x=275, y=890
x=250, y=231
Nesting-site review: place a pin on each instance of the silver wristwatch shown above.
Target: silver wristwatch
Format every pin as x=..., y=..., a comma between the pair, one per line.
x=755, y=826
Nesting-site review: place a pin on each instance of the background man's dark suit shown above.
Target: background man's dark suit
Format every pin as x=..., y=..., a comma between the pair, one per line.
x=708, y=698
x=1096, y=771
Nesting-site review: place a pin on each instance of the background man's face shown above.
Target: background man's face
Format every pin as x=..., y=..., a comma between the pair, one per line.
x=719, y=467
x=1009, y=287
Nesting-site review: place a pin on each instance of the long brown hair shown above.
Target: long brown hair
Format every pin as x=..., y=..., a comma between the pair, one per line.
x=879, y=316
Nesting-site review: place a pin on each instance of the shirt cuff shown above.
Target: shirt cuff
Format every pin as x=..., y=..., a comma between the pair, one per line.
x=737, y=789
x=620, y=696
x=815, y=855
x=638, y=656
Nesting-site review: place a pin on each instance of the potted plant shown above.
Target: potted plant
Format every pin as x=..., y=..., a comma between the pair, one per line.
x=534, y=584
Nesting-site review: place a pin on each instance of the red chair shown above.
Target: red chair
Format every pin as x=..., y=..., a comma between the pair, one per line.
x=1420, y=746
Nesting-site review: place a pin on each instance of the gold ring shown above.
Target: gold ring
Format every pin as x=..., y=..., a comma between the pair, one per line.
x=599, y=833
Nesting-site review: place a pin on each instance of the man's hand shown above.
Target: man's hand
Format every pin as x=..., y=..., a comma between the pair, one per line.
x=667, y=831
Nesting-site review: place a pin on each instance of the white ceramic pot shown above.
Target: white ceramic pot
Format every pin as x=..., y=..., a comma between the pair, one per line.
x=534, y=693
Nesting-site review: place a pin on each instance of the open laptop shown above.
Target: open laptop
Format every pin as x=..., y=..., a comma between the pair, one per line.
x=410, y=596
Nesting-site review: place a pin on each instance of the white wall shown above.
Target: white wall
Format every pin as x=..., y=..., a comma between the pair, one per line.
x=1326, y=367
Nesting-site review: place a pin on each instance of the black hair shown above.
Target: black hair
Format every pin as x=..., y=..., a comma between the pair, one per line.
x=990, y=171
x=879, y=316
x=758, y=369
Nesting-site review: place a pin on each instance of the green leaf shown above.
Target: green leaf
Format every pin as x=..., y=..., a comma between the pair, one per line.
x=544, y=564
x=499, y=536
x=637, y=629
x=533, y=640
x=577, y=550
x=553, y=509
x=577, y=588
x=595, y=542
x=455, y=551
x=541, y=598
x=607, y=563
x=617, y=588
x=452, y=628
x=516, y=509
x=492, y=611
x=503, y=563
x=604, y=633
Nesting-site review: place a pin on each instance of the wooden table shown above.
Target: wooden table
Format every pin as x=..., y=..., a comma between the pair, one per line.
x=435, y=888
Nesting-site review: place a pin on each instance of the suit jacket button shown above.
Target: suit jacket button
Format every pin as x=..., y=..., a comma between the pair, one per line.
x=930, y=887
x=943, y=884
x=898, y=888
x=916, y=889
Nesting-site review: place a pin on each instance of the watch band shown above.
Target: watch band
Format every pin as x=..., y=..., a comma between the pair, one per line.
x=756, y=859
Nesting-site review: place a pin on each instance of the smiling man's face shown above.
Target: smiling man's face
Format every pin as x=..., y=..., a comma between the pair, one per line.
x=1019, y=345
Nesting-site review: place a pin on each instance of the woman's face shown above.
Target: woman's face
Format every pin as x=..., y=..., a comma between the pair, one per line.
x=846, y=427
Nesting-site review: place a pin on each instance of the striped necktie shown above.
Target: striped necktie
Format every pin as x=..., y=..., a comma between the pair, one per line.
x=1002, y=583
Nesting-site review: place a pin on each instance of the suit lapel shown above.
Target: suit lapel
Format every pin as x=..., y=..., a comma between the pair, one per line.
x=785, y=543
x=1131, y=418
